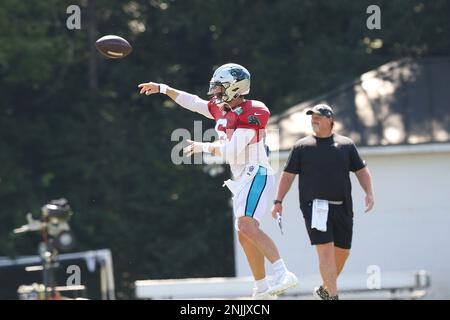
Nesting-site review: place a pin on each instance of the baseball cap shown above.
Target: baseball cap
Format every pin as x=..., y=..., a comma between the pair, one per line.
x=321, y=109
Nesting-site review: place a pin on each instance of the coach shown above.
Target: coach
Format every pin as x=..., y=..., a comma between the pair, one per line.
x=323, y=162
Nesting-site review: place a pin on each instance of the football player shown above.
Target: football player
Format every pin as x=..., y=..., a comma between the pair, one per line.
x=240, y=125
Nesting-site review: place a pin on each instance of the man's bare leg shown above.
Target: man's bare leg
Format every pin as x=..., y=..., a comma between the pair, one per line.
x=255, y=260
x=254, y=257
x=341, y=257
x=327, y=266
x=249, y=227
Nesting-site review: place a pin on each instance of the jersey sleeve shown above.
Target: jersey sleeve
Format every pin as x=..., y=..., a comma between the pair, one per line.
x=231, y=149
x=193, y=103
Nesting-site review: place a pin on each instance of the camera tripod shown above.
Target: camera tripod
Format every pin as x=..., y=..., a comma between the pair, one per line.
x=56, y=235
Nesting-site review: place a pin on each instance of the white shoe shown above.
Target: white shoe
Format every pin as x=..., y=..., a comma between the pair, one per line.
x=265, y=295
x=287, y=281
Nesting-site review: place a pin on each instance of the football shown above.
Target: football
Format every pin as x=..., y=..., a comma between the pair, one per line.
x=113, y=47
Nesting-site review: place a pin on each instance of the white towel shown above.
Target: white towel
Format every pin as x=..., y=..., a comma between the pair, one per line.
x=236, y=186
x=319, y=215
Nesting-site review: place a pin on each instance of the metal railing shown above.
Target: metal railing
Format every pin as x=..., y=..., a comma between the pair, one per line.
x=393, y=285
x=103, y=258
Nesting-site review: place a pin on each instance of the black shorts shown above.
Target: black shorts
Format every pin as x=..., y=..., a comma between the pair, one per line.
x=339, y=226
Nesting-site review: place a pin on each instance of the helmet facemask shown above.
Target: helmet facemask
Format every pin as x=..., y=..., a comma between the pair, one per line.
x=218, y=91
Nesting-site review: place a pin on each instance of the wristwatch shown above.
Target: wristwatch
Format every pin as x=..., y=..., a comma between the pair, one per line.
x=277, y=201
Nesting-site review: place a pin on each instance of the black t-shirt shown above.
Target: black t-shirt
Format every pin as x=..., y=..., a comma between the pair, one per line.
x=323, y=165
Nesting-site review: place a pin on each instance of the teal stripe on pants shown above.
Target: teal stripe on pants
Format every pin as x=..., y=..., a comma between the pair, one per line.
x=255, y=192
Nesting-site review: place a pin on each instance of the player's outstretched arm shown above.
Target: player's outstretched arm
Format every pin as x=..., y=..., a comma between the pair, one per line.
x=184, y=99
x=153, y=87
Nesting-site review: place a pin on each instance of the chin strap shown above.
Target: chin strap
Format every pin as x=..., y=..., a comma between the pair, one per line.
x=223, y=105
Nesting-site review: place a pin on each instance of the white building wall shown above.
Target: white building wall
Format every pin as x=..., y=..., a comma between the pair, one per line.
x=408, y=229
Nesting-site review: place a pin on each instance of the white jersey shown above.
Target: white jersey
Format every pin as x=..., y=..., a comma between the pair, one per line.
x=241, y=132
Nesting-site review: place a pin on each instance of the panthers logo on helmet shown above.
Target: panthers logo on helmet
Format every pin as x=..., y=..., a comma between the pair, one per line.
x=239, y=74
x=253, y=120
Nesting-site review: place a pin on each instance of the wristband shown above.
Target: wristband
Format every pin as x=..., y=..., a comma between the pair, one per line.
x=163, y=88
x=205, y=147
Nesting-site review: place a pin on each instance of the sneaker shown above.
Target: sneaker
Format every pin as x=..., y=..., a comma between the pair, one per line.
x=320, y=293
x=287, y=281
x=265, y=295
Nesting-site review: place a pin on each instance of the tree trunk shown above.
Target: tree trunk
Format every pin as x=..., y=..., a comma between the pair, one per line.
x=92, y=34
